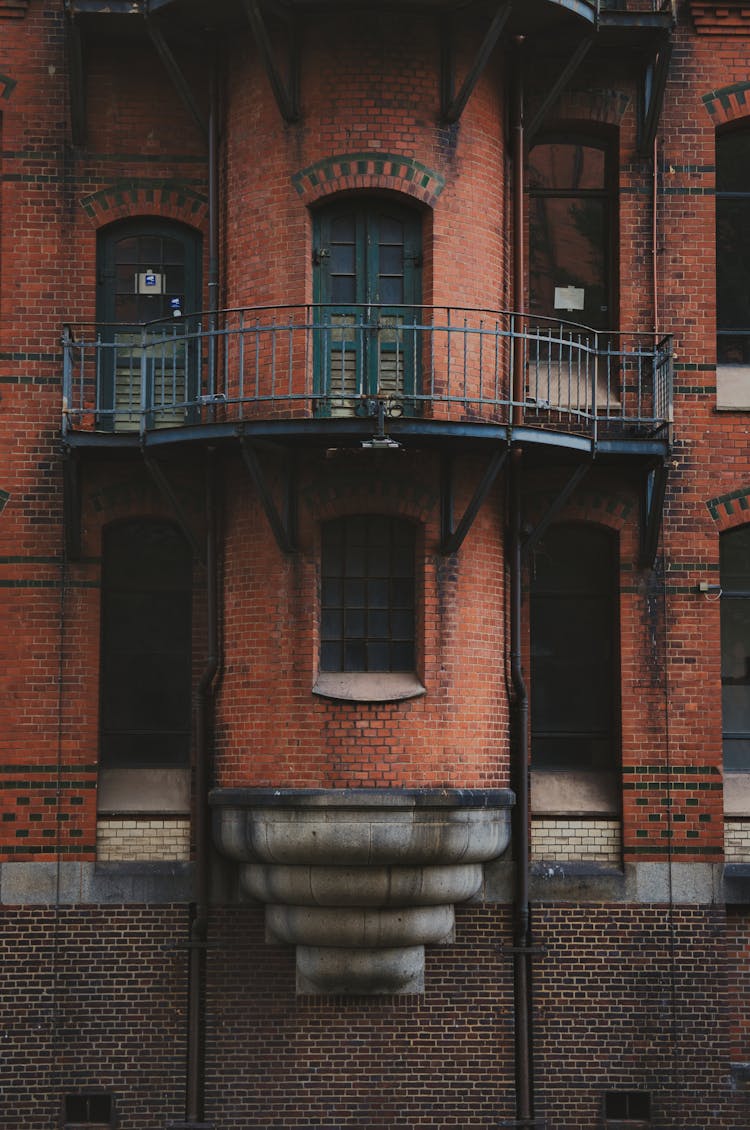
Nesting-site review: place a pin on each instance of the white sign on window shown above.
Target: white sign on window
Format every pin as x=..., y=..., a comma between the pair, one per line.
x=569, y=297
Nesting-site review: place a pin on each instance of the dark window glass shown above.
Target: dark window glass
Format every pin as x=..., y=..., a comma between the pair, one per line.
x=146, y=646
x=367, y=590
x=88, y=1109
x=570, y=238
x=574, y=650
x=733, y=247
x=735, y=648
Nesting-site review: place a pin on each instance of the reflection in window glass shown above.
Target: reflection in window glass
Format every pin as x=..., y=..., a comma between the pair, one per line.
x=733, y=247
x=574, y=669
x=735, y=648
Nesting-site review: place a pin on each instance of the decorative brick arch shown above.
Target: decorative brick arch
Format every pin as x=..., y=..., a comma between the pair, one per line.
x=597, y=508
x=602, y=106
x=363, y=493
x=7, y=86
x=730, y=510
x=728, y=103
x=166, y=199
x=367, y=171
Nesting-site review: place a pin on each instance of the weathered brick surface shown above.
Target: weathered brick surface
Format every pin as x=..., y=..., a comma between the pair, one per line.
x=626, y=997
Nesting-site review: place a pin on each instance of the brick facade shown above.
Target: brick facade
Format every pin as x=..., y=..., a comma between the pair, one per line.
x=640, y=941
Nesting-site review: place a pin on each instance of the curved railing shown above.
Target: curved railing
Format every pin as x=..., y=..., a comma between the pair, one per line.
x=321, y=361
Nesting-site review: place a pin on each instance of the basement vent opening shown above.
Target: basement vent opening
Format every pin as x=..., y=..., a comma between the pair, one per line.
x=623, y=1109
x=89, y=1111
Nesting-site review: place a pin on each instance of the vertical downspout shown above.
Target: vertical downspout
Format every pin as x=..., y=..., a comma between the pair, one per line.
x=204, y=709
x=213, y=223
x=204, y=713
x=520, y=728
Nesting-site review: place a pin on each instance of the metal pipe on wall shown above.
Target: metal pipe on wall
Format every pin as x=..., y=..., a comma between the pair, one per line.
x=520, y=729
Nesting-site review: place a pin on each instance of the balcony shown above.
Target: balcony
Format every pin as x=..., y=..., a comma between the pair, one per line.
x=326, y=372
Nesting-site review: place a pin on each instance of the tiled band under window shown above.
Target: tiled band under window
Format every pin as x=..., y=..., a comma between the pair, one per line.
x=367, y=599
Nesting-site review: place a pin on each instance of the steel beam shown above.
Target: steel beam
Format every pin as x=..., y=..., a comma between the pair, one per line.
x=451, y=107
x=652, y=507
x=157, y=473
x=284, y=526
x=554, y=508
x=562, y=80
x=286, y=94
x=450, y=539
x=173, y=70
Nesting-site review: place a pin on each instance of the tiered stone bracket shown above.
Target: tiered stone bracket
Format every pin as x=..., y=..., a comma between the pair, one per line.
x=360, y=880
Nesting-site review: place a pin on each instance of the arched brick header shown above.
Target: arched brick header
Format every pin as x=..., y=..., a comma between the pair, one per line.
x=145, y=197
x=7, y=86
x=607, y=106
x=596, y=507
x=728, y=103
x=729, y=510
x=364, y=493
x=368, y=170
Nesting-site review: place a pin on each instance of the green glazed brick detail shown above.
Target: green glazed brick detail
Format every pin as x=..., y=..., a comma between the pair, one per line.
x=731, y=505
x=380, y=170
x=727, y=102
x=132, y=195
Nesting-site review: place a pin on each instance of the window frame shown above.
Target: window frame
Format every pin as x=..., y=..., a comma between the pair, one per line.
x=608, y=194
x=578, y=787
x=337, y=545
x=732, y=378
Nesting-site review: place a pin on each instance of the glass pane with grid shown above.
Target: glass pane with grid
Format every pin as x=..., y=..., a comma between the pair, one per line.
x=367, y=599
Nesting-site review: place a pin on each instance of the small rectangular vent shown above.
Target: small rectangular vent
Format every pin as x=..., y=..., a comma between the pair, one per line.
x=627, y=1109
x=92, y=1110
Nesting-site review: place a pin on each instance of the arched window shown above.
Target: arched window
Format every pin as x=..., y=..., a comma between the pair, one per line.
x=145, y=684
x=735, y=647
x=148, y=272
x=574, y=681
x=367, y=595
x=367, y=284
x=571, y=231
x=733, y=268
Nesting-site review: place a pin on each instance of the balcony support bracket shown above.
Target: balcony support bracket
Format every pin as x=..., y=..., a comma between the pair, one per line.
x=571, y=66
x=450, y=539
x=652, y=94
x=554, y=508
x=284, y=526
x=156, y=471
x=72, y=504
x=172, y=68
x=652, y=505
x=285, y=93
x=76, y=78
x=452, y=105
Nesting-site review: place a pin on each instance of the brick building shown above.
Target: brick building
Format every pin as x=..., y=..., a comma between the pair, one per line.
x=375, y=554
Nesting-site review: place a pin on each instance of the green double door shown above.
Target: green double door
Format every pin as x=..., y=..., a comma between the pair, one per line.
x=148, y=283
x=367, y=291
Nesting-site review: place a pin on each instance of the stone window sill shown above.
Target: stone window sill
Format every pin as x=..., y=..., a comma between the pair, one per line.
x=368, y=686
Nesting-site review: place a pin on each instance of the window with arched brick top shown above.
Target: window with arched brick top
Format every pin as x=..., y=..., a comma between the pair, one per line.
x=574, y=677
x=733, y=268
x=146, y=628
x=735, y=647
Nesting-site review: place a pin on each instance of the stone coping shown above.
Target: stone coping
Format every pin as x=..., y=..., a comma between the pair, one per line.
x=265, y=797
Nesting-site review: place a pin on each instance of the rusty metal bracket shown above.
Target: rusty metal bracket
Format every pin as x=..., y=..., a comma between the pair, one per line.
x=652, y=94
x=570, y=67
x=172, y=68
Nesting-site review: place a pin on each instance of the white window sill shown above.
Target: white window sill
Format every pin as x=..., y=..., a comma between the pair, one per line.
x=368, y=686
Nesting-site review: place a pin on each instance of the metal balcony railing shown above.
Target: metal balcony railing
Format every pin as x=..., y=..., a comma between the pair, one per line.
x=317, y=361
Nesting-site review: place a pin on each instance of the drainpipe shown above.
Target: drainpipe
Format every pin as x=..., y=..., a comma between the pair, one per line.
x=204, y=707
x=520, y=728
x=199, y=923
